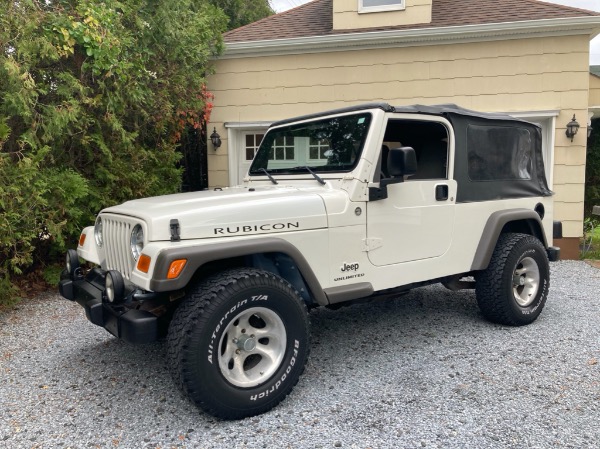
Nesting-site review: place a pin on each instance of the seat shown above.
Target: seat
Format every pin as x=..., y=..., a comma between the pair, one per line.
x=432, y=161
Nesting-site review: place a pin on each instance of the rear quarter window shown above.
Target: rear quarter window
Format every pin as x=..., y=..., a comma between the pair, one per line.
x=499, y=153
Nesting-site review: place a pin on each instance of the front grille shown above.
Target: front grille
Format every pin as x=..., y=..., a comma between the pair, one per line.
x=117, y=238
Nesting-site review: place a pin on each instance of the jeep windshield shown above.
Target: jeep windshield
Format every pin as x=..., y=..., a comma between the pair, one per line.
x=326, y=145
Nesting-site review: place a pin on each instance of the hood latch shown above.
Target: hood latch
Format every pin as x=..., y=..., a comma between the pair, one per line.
x=175, y=230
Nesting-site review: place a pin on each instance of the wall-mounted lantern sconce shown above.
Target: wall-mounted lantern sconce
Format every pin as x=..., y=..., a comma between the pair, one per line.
x=216, y=139
x=572, y=128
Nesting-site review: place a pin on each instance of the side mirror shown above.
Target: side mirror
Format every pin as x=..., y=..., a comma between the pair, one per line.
x=402, y=162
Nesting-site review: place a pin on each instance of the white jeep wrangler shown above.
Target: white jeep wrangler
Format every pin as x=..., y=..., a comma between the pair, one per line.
x=339, y=206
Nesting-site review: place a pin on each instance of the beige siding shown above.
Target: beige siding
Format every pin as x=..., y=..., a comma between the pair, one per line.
x=516, y=75
x=347, y=17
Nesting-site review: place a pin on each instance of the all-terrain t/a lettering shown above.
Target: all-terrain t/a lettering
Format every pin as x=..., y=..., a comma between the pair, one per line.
x=283, y=376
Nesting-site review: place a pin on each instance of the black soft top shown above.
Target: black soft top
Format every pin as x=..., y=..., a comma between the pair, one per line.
x=517, y=173
x=511, y=148
x=440, y=109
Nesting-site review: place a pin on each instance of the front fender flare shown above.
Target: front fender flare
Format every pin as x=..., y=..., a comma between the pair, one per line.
x=199, y=255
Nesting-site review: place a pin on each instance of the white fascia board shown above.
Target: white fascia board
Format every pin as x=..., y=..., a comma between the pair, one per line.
x=425, y=36
x=534, y=114
x=246, y=125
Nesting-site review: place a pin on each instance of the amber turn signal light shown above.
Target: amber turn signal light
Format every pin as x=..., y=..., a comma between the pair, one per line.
x=175, y=268
x=81, y=239
x=144, y=263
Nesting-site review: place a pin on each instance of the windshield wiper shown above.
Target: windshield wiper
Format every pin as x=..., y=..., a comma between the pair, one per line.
x=264, y=170
x=308, y=169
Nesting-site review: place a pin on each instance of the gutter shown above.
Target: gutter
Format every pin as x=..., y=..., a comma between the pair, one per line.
x=589, y=25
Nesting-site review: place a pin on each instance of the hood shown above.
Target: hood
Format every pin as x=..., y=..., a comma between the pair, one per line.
x=229, y=212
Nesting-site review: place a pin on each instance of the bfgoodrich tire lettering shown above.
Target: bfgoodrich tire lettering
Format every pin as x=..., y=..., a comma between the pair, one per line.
x=238, y=343
x=514, y=287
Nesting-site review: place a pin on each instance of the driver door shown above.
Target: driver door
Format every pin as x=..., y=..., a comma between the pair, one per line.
x=416, y=220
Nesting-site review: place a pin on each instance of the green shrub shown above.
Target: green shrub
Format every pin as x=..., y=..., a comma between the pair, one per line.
x=592, y=169
x=93, y=99
x=51, y=274
x=9, y=293
x=590, y=247
x=40, y=206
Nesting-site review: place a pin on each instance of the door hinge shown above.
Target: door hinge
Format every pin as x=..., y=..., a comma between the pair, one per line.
x=371, y=244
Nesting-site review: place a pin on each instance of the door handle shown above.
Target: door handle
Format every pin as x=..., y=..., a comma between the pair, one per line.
x=441, y=192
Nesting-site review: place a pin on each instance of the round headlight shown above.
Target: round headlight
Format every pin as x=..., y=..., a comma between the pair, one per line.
x=98, y=232
x=137, y=241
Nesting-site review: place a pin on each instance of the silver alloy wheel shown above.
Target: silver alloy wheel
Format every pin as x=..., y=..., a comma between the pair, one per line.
x=252, y=347
x=526, y=281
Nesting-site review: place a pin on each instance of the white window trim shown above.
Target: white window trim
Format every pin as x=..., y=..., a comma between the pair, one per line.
x=255, y=146
x=284, y=147
x=233, y=141
x=400, y=6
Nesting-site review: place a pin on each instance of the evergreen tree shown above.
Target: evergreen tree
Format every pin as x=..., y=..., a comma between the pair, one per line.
x=94, y=96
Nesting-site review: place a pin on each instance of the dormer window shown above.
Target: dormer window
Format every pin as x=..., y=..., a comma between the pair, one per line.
x=365, y=6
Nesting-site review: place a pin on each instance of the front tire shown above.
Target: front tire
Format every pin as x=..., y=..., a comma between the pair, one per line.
x=239, y=342
x=514, y=287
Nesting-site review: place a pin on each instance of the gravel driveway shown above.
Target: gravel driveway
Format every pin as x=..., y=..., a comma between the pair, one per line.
x=422, y=371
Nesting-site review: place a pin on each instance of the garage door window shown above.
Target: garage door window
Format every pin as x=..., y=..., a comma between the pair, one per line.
x=252, y=144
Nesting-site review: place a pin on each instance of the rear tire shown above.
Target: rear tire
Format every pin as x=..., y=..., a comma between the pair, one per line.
x=239, y=342
x=514, y=287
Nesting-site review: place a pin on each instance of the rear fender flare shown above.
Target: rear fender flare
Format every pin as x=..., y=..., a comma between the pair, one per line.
x=522, y=218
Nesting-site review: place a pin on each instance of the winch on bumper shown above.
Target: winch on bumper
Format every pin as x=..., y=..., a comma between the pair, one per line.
x=107, y=304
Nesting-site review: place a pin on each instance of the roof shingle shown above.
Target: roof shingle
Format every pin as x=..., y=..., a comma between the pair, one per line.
x=316, y=18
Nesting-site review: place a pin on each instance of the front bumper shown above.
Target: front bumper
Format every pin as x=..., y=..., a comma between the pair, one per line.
x=121, y=320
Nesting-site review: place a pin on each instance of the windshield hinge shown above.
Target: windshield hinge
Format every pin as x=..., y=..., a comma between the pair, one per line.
x=174, y=225
x=371, y=244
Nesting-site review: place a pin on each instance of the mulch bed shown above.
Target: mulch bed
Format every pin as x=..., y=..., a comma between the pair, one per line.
x=594, y=263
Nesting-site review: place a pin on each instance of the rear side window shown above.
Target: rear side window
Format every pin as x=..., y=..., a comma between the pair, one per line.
x=499, y=153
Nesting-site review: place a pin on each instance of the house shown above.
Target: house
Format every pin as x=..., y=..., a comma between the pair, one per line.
x=524, y=57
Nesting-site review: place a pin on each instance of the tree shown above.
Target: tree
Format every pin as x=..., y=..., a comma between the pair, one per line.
x=243, y=12
x=94, y=96
x=592, y=169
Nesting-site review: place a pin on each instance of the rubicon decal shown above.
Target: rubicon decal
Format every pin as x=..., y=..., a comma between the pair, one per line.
x=233, y=230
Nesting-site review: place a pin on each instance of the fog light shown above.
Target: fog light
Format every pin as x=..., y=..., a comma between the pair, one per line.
x=114, y=287
x=72, y=262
